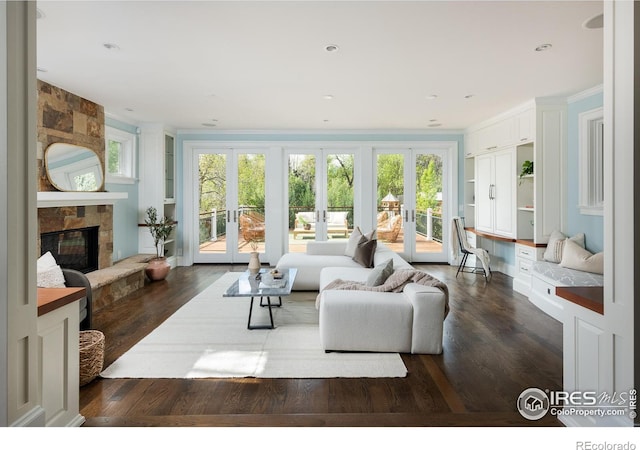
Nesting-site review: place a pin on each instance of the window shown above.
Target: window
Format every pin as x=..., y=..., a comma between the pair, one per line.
x=120, y=156
x=591, y=143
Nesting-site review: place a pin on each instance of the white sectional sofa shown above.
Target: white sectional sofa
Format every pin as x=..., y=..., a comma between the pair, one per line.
x=410, y=321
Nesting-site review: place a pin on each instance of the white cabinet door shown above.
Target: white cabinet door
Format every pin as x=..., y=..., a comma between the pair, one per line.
x=484, y=187
x=495, y=191
x=503, y=193
x=525, y=128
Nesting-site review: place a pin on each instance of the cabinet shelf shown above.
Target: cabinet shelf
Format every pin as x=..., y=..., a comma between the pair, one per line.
x=471, y=181
x=472, y=205
x=526, y=208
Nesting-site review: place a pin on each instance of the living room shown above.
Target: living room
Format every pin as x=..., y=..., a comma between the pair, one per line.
x=281, y=141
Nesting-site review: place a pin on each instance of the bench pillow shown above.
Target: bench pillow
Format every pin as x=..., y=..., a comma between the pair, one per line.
x=578, y=258
x=553, y=253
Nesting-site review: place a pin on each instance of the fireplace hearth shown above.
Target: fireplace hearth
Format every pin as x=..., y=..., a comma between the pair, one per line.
x=73, y=249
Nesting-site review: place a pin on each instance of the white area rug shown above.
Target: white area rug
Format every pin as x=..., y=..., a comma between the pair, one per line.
x=208, y=338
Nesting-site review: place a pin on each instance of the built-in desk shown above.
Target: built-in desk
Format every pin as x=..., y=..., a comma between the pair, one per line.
x=58, y=352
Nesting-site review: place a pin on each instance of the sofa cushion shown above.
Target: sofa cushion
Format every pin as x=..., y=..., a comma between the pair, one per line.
x=555, y=246
x=364, y=252
x=380, y=273
x=578, y=258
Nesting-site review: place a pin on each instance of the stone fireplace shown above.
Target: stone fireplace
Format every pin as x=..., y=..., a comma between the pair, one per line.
x=67, y=118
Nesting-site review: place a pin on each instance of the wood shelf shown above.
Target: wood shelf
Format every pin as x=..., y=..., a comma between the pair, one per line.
x=590, y=297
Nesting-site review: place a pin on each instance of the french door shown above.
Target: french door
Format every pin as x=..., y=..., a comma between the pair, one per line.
x=320, y=195
x=413, y=202
x=229, y=204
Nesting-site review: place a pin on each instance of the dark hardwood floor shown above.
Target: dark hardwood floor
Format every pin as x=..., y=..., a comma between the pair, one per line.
x=496, y=344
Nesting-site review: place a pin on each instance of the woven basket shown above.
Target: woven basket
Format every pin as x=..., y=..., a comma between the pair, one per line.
x=91, y=355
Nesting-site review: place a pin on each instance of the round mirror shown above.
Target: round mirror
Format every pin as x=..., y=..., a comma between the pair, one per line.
x=73, y=168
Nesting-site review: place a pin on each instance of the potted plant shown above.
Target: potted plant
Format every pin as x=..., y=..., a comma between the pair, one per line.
x=160, y=230
x=527, y=169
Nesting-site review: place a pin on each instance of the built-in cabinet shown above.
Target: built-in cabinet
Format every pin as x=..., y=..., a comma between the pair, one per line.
x=532, y=206
x=157, y=185
x=494, y=188
x=498, y=199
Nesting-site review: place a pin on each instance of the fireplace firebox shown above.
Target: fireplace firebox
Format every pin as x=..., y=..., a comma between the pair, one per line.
x=73, y=249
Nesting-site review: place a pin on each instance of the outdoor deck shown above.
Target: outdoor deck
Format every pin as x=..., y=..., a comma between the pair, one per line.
x=299, y=245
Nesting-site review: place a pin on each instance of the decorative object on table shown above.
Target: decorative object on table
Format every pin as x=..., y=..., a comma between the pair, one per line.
x=254, y=258
x=91, y=346
x=527, y=169
x=160, y=229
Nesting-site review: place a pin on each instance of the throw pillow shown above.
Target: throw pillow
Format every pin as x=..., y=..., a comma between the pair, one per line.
x=373, y=234
x=380, y=273
x=352, y=244
x=553, y=252
x=578, y=258
x=364, y=252
x=49, y=274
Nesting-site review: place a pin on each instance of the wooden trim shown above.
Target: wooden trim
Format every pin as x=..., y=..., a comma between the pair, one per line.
x=590, y=297
x=50, y=299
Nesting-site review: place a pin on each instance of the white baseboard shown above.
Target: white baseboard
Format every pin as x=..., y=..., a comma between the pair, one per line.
x=34, y=418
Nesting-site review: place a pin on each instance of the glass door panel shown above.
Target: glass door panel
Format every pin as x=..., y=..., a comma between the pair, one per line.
x=304, y=213
x=339, y=184
x=390, y=170
x=212, y=204
x=429, y=207
x=251, y=202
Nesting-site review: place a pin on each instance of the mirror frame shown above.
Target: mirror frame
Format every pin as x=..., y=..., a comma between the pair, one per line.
x=79, y=147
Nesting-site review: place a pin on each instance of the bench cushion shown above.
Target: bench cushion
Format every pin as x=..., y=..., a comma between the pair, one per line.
x=562, y=276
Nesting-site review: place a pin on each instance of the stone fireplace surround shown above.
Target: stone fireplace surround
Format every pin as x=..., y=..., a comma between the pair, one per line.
x=68, y=118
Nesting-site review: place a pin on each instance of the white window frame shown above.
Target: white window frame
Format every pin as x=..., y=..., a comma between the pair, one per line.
x=591, y=158
x=127, y=161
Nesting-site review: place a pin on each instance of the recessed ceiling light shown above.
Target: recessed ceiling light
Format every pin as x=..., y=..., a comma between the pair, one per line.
x=110, y=46
x=594, y=23
x=433, y=125
x=208, y=124
x=42, y=69
x=433, y=120
x=39, y=14
x=468, y=96
x=331, y=48
x=328, y=97
x=431, y=97
x=129, y=109
x=326, y=120
x=543, y=47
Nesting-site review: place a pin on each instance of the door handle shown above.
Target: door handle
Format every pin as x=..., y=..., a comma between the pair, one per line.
x=413, y=215
x=317, y=216
x=234, y=216
x=406, y=215
x=228, y=216
x=324, y=215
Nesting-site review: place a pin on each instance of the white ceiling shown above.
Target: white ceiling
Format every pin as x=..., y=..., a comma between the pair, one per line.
x=263, y=65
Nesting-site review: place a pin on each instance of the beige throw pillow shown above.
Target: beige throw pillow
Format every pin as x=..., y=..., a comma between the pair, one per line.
x=553, y=253
x=578, y=258
x=352, y=244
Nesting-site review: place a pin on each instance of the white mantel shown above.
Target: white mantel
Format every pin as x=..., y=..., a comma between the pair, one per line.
x=55, y=199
